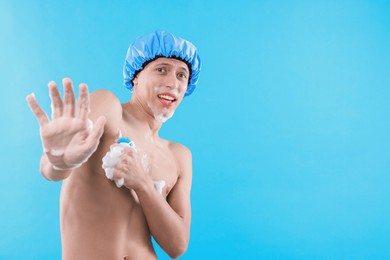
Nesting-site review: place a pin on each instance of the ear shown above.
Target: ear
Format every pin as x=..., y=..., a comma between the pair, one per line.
x=135, y=81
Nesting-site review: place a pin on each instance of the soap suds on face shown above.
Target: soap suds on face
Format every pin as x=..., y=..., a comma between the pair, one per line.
x=161, y=116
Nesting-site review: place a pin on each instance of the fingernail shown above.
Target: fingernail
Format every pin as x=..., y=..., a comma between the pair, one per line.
x=32, y=94
x=65, y=79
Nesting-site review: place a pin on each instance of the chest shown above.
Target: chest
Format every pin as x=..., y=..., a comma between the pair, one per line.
x=156, y=158
x=159, y=163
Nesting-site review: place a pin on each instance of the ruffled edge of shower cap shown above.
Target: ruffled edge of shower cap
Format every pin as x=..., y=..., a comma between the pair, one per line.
x=161, y=44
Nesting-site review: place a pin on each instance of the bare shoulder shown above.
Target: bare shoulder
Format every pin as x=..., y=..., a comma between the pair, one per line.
x=105, y=103
x=183, y=157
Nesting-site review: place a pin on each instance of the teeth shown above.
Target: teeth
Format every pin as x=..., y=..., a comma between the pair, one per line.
x=166, y=97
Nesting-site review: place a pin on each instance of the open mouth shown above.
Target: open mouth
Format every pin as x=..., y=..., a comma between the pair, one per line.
x=166, y=99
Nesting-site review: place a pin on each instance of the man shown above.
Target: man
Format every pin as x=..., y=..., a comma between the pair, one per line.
x=98, y=219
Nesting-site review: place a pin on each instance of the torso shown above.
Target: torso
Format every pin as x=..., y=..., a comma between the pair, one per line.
x=101, y=221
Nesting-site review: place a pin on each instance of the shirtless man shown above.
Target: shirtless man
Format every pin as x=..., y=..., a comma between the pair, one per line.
x=98, y=219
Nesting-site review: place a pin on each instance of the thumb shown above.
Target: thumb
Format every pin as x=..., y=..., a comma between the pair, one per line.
x=97, y=131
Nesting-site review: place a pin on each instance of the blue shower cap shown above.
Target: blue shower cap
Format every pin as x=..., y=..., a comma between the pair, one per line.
x=161, y=44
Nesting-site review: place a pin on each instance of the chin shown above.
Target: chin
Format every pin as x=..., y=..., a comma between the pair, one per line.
x=163, y=117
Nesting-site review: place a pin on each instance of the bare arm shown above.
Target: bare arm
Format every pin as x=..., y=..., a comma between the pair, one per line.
x=67, y=139
x=169, y=221
x=50, y=173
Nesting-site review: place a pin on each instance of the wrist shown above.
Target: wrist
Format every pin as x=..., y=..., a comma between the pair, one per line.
x=52, y=172
x=145, y=187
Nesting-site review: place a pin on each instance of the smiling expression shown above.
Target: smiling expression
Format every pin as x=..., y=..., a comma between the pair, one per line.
x=161, y=85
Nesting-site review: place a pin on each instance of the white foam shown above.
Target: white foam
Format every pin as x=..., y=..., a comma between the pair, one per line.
x=89, y=125
x=116, y=151
x=112, y=158
x=161, y=116
x=119, y=183
x=159, y=185
x=145, y=162
x=109, y=173
x=52, y=110
x=109, y=161
x=56, y=152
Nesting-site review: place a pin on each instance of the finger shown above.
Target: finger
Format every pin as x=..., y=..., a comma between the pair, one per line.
x=98, y=128
x=83, y=102
x=96, y=133
x=69, y=99
x=124, y=160
x=119, y=175
x=56, y=101
x=130, y=152
x=37, y=110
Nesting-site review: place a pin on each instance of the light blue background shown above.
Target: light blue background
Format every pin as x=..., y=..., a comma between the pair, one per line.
x=289, y=125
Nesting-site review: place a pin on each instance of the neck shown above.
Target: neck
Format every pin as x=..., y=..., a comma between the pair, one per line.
x=142, y=116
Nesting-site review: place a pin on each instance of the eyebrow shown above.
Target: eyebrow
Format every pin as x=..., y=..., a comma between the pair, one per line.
x=168, y=64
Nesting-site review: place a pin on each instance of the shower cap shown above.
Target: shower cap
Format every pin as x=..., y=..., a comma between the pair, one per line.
x=161, y=44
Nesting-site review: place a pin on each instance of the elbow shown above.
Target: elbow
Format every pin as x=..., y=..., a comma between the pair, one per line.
x=178, y=249
x=42, y=170
x=44, y=173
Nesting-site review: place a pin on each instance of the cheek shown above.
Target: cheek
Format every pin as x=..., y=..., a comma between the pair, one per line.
x=183, y=88
x=180, y=99
x=144, y=86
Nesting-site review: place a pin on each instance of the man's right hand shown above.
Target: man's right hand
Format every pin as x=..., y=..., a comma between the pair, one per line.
x=67, y=139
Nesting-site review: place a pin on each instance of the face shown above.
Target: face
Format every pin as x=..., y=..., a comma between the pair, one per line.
x=161, y=86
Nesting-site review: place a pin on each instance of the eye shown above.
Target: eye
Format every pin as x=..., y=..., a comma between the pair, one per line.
x=161, y=69
x=182, y=75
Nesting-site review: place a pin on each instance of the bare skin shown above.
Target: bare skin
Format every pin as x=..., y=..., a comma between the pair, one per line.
x=99, y=220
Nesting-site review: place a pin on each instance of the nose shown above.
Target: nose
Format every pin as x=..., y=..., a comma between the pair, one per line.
x=172, y=81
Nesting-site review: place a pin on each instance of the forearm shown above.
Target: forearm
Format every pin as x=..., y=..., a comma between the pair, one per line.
x=167, y=227
x=50, y=173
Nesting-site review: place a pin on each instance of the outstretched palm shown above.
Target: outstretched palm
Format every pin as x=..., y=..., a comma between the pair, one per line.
x=67, y=139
